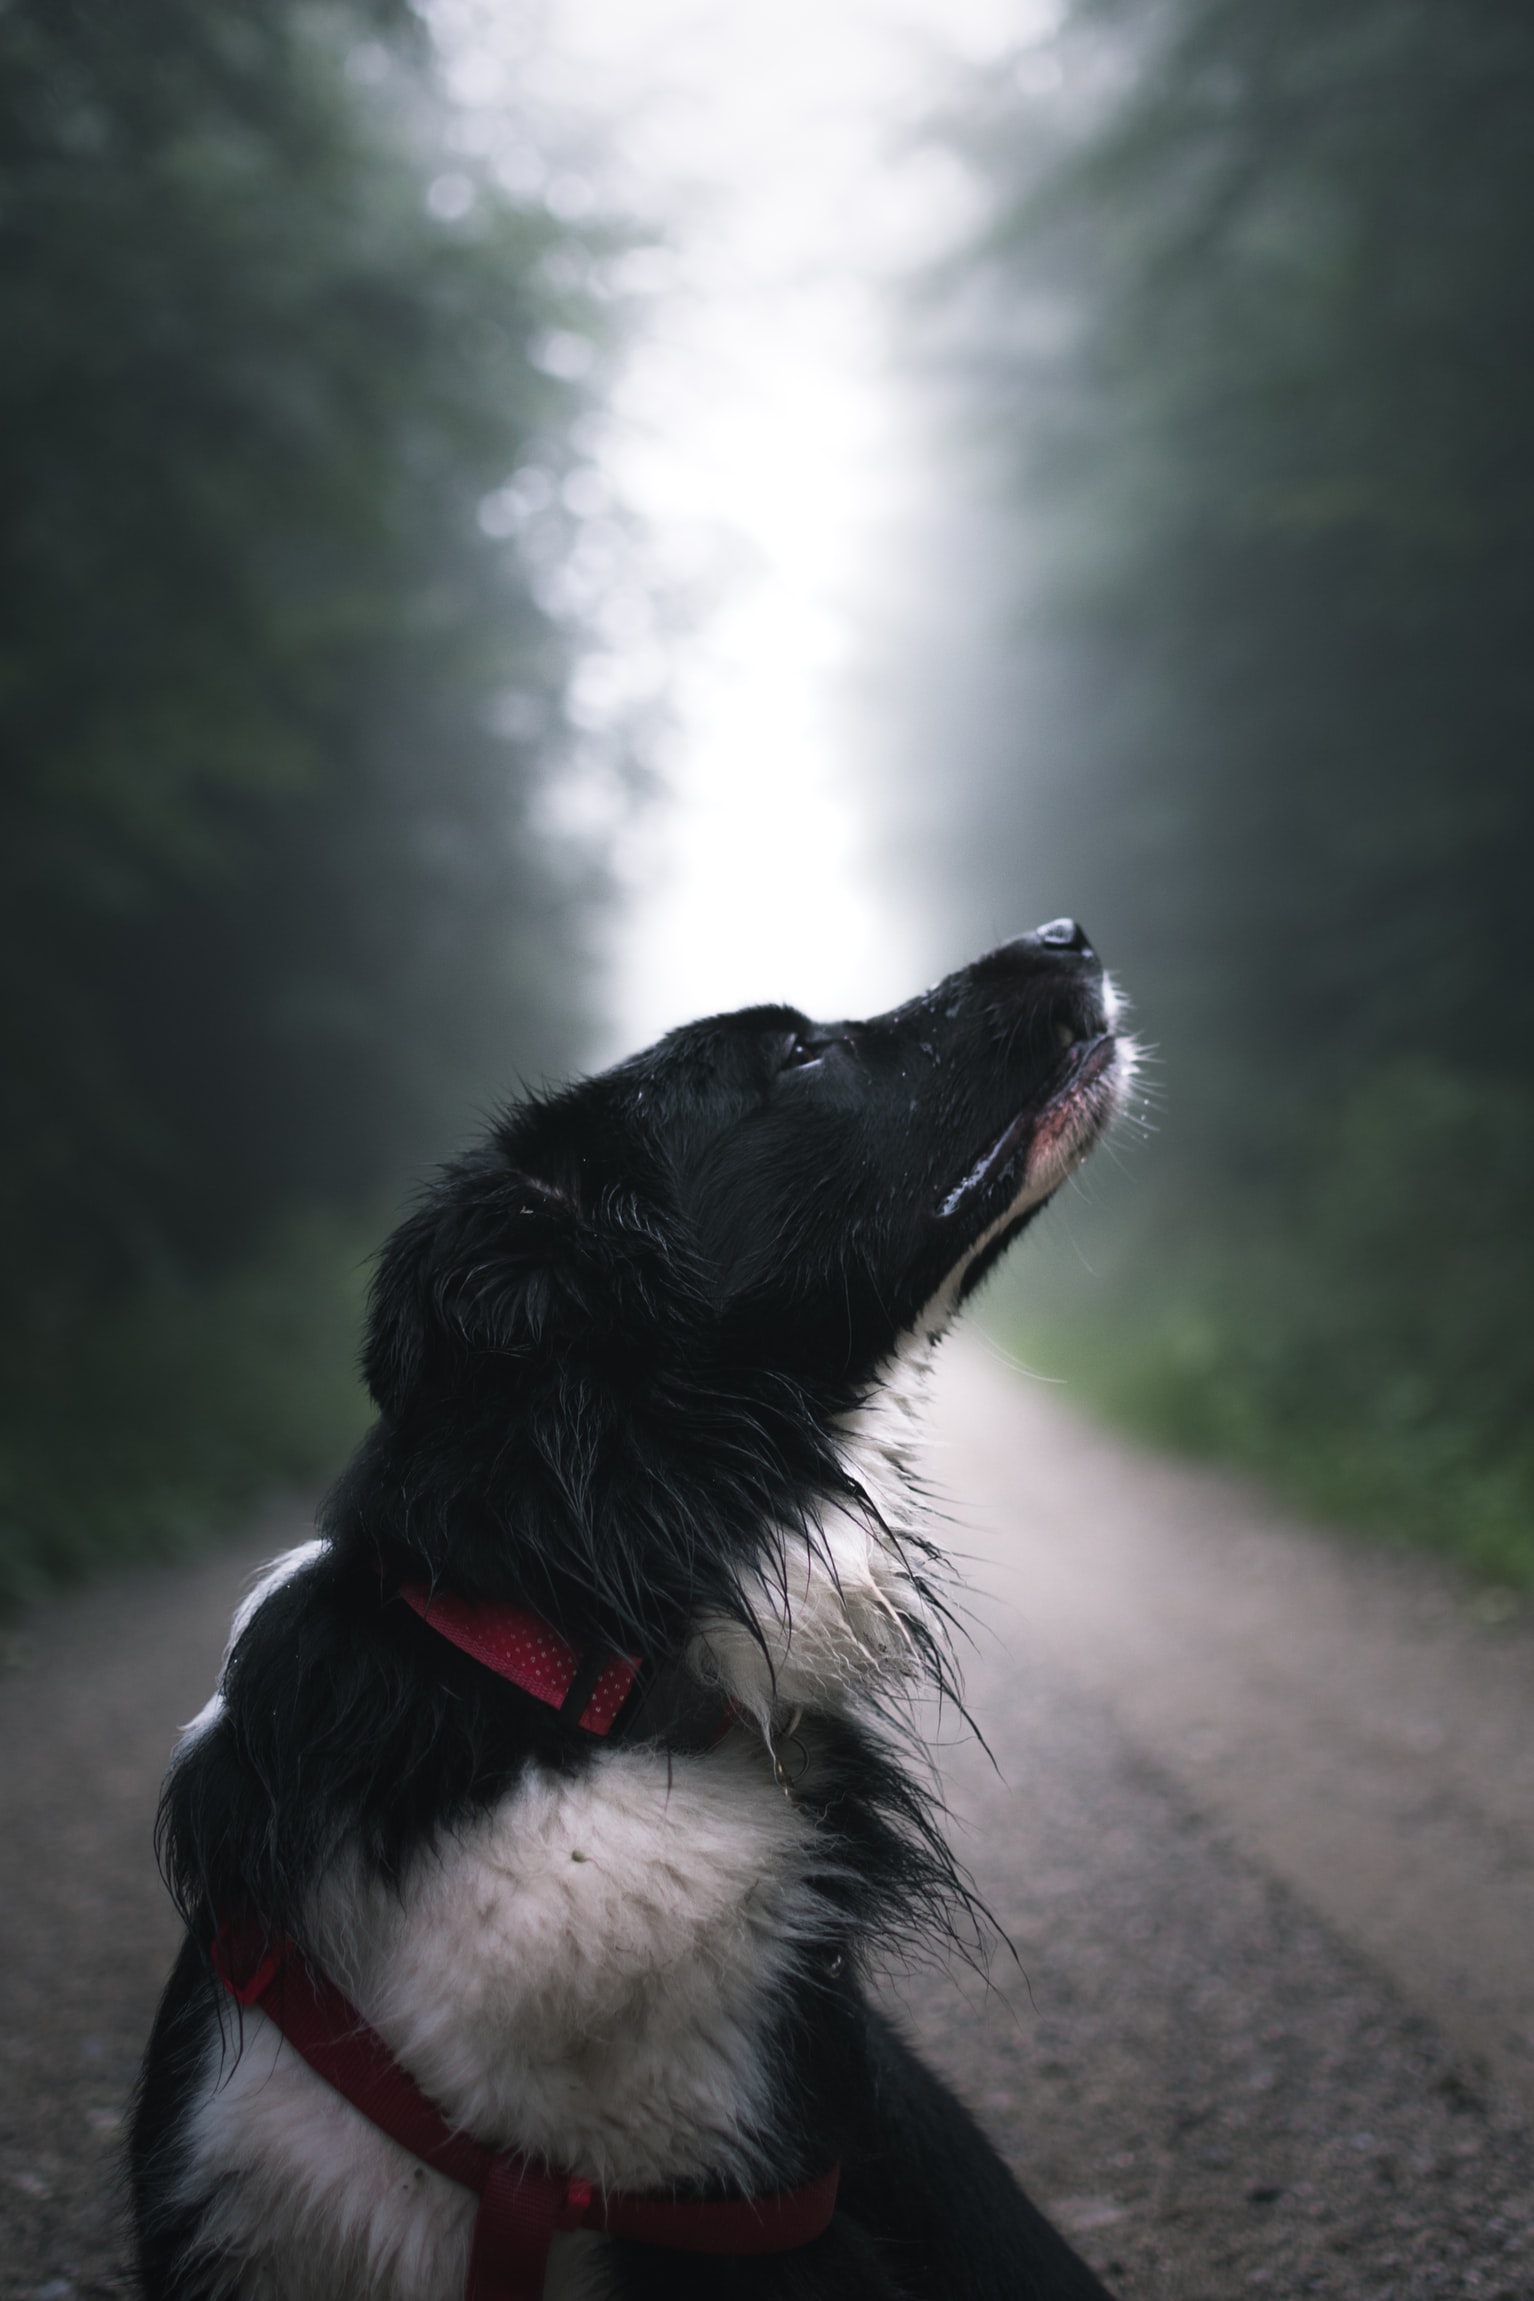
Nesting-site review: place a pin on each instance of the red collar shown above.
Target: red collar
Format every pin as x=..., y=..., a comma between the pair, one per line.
x=522, y=2203
x=588, y=1689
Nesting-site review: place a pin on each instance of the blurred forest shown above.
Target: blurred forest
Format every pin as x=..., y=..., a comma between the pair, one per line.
x=275, y=909
x=1239, y=630
x=1220, y=640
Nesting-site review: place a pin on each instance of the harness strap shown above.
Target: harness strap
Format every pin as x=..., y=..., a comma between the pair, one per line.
x=523, y=2204
x=587, y=1688
x=593, y=1688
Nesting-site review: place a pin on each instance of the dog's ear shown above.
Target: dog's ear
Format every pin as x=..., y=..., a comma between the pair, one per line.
x=490, y=1268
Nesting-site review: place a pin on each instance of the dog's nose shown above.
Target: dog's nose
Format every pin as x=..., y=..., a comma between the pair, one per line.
x=1058, y=950
x=1064, y=935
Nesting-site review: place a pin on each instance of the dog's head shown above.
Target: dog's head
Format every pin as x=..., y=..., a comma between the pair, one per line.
x=714, y=1247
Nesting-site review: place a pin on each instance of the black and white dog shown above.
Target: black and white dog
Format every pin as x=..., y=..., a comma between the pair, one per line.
x=646, y=1365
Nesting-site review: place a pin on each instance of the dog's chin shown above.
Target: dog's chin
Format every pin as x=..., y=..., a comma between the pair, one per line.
x=1034, y=1154
x=1077, y=1112
x=1038, y=1148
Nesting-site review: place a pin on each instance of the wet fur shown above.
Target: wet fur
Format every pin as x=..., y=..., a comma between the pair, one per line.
x=649, y=1362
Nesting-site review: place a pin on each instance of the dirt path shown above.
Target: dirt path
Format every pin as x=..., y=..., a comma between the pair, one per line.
x=1261, y=1834
x=1363, y=1723
x=1238, y=2053
x=93, y=1692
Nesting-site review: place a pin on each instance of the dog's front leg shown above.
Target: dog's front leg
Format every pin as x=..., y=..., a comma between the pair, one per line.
x=843, y=2265
x=950, y=2217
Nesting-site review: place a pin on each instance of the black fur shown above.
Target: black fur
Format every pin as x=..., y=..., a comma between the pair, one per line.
x=612, y=1352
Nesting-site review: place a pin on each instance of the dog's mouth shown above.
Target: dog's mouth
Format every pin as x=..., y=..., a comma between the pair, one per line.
x=1036, y=1150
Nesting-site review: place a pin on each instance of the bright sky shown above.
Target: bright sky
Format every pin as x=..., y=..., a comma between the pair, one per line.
x=762, y=436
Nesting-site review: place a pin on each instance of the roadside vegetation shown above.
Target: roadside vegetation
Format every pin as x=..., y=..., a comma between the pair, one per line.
x=1236, y=372
x=289, y=388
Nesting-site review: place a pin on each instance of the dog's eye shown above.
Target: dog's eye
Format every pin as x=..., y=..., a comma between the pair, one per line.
x=801, y=1051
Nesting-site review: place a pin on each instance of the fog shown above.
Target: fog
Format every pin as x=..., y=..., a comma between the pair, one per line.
x=586, y=515
x=767, y=435
x=526, y=523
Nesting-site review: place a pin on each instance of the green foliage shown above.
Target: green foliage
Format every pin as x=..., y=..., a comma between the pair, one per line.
x=1356, y=1334
x=179, y=1402
x=1249, y=340
x=276, y=710
x=1265, y=343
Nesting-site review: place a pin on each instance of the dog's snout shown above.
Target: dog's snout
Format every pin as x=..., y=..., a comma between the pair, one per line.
x=1053, y=961
x=1062, y=935
x=1058, y=943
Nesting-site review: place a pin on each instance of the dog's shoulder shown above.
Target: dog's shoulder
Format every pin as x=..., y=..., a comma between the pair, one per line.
x=339, y=1722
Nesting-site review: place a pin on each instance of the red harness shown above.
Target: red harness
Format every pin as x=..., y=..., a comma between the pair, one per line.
x=522, y=2205
x=589, y=1689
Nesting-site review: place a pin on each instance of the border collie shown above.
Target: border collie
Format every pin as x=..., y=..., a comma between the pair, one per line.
x=555, y=1805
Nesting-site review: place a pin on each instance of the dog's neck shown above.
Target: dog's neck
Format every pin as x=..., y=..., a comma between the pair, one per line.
x=840, y=1608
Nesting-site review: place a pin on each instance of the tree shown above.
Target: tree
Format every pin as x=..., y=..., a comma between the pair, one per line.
x=1250, y=337
x=276, y=711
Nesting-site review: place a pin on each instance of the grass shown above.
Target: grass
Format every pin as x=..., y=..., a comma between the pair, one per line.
x=1355, y=1333
x=1181, y=1378
x=143, y=1435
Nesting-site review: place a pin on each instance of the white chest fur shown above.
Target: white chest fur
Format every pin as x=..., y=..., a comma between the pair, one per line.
x=586, y=1973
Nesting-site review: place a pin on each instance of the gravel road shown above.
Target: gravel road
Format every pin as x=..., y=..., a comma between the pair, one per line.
x=1261, y=1829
